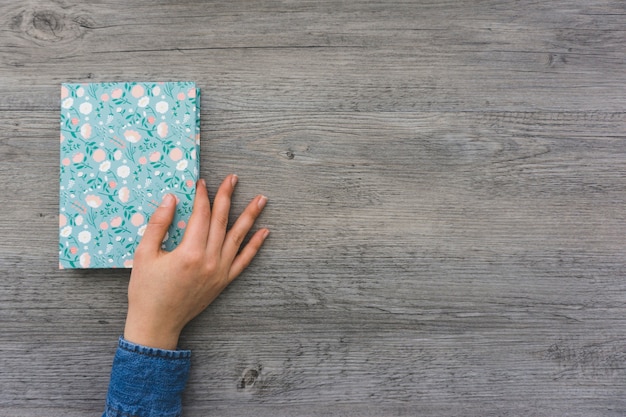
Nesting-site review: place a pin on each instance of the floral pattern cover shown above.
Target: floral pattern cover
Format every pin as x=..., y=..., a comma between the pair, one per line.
x=123, y=147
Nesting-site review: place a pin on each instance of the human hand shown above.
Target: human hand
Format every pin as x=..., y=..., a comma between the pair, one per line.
x=168, y=289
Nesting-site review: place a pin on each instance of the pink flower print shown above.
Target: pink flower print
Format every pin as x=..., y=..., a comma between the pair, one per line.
x=137, y=91
x=181, y=224
x=74, y=121
x=62, y=138
x=99, y=155
x=143, y=160
x=128, y=263
x=176, y=154
x=117, y=93
x=189, y=183
x=137, y=219
x=93, y=201
x=155, y=156
x=104, y=225
x=62, y=220
x=79, y=157
x=73, y=250
x=65, y=161
x=151, y=119
x=124, y=194
x=64, y=91
x=191, y=93
x=162, y=129
x=117, y=155
x=156, y=91
x=181, y=96
x=85, y=260
x=116, y=221
x=112, y=184
x=104, y=97
x=85, y=130
x=132, y=136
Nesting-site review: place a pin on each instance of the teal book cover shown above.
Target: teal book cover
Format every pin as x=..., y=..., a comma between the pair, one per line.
x=124, y=145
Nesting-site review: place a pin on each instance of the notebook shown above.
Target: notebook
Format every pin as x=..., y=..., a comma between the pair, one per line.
x=123, y=147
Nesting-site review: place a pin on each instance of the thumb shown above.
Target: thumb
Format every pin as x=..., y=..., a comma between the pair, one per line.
x=159, y=223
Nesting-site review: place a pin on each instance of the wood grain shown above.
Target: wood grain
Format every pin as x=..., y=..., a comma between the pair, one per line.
x=447, y=185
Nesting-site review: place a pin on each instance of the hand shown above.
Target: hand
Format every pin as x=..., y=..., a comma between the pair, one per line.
x=168, y=289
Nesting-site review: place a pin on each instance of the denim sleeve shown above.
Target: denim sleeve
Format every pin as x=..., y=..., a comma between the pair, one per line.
x=147, y=382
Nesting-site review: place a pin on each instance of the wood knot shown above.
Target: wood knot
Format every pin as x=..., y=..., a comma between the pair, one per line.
x=248, y=378
x=46, y=26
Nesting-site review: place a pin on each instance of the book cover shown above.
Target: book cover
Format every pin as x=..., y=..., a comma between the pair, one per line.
x=123, y=147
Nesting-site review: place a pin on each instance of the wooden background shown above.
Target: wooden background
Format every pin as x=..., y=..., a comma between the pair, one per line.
x=447, y=184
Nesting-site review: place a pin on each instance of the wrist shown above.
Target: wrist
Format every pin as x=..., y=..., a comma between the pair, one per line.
x=150, y=335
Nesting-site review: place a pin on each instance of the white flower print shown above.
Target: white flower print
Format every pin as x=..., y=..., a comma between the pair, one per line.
x=84, y=236
x=105, y=166
x=123, y=171
x=143, y=101
x=162, y=107
x=181, y=165
x=66, y=231
x=85, y=108
x=67, y=103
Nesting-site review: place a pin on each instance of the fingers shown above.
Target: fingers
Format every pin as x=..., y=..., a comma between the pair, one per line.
x=246, y=255
x=219, y=216
x=157, y=226
x=197, y=231
x=242, y=226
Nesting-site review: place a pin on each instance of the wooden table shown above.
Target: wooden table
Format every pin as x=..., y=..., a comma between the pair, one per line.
x=447, y=184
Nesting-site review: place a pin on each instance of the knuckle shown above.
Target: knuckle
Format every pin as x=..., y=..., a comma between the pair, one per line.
x=236, y=239
x=211, y=267
x=158, y=219
x=192, y=258
x=140, y=253
x=222, y=221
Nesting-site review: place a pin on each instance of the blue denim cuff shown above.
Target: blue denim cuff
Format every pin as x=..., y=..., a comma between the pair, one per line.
x=147, y=382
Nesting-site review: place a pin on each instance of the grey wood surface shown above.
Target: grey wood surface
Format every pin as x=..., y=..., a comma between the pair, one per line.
x=447, y=184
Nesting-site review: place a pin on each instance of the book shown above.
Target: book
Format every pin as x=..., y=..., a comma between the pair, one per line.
x=124, y=145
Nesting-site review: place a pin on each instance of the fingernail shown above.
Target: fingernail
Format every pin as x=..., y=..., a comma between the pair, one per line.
x=167, y=200
x=202, y=183
x=266, y=233
x=233, y=179
x=262, y=201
